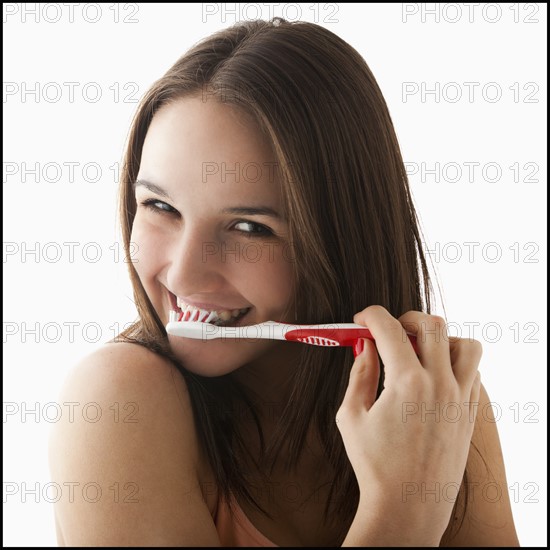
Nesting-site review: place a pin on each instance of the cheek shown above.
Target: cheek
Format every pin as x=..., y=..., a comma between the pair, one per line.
x=266, y=271
x=146, y=254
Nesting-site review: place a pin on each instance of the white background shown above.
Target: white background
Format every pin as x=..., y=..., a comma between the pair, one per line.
x=496, y=48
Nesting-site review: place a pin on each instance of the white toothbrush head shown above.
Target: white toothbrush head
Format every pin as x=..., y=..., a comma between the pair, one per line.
x=193, y=329
x=207, y=331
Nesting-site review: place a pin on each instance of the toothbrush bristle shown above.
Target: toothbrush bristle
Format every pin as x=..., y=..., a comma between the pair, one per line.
x=210, y=317
x=192, y=315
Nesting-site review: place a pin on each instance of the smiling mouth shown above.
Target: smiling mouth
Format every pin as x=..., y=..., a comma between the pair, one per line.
x=182, y=312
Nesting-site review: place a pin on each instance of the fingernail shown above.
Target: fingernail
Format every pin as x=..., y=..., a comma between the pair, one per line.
x=358, y=347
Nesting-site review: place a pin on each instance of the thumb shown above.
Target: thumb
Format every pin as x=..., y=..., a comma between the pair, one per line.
x=363, y=378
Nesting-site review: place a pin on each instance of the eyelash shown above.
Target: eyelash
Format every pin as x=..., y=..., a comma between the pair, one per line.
x=152, y=204
x=264, y=231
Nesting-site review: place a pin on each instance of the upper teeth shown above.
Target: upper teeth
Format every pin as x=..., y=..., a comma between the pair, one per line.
x=223, y=315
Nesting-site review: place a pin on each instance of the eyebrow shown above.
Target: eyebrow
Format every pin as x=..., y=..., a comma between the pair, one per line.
x=240, y=210
x=152, y=187
x=252, y=211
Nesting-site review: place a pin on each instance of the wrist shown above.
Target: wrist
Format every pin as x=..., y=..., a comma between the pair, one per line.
x=377, y=524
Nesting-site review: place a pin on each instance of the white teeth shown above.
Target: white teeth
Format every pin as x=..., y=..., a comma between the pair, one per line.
x=196, y=313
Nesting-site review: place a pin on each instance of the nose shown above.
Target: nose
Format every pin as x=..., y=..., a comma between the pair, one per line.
x=194, y=265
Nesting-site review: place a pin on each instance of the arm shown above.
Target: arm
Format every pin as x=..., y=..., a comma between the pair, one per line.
x=488, y=520
x=141, y=469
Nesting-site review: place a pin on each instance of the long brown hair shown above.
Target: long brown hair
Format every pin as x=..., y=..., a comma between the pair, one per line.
x=352, y=224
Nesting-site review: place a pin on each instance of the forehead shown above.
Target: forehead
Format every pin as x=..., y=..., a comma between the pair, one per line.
x=211, y=152
x=207, y=133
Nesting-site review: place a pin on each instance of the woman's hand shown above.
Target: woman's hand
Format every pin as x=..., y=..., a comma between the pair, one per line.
x=409, y=448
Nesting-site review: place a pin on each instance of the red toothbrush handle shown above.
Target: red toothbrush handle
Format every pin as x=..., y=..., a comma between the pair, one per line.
x=344, y=337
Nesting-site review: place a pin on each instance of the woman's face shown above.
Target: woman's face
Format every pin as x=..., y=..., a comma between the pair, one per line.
x=209, y=227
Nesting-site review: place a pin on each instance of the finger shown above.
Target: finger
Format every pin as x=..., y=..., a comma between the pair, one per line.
x=465, y=358
x=363, y=379
x=474, y=396
x=392, y=342
x=431, y=339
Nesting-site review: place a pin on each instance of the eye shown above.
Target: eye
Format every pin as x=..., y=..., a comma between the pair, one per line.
x=255, y=229
x=159, y=207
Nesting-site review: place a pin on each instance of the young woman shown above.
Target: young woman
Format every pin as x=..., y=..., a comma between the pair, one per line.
x=263, y=180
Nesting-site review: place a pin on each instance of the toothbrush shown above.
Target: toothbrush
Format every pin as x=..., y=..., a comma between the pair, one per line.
x=328, y=335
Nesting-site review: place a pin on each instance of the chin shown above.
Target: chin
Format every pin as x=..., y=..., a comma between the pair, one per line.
x=214, y=357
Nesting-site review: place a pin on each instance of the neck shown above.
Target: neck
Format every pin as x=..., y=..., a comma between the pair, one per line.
x=269, y=384
x=268, y=381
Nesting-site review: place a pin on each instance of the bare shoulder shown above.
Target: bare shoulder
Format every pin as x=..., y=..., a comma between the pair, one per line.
x=488, y=520
x=118, y=369
x=128, y=454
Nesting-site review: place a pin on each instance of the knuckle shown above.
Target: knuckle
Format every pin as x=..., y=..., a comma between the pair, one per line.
x=411, y=318
x=376, y=312
x=476, y=347
x=470, y=346
x=432, y=327
x=467, y=351
x=435, y=322
x=477, y=379
x=376, y=309
x=343, y=412
x=344, y=417
x=379, y=315
x=438, y=320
